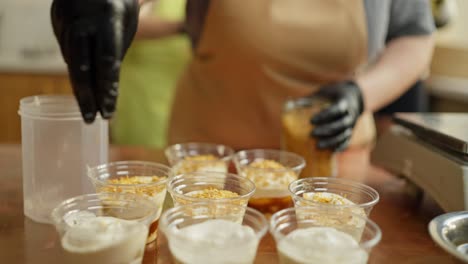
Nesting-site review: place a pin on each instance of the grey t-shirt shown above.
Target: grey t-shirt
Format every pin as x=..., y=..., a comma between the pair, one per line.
x=390, y=19
x=386, y=20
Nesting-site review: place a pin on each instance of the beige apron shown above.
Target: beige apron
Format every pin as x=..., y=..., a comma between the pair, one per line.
x=253, y=55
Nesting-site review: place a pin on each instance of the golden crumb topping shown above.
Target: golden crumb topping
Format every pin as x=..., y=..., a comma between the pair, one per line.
x=327, y=198
x=269, y=174
x=266, y=164
x=207, y=157
x=336, y=199
x=343, y=217
x=131, y=184
x=200, y=163
x=213, y=193
x=136, y=180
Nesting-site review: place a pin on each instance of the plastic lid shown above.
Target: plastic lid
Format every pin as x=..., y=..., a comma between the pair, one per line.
x=57, y=107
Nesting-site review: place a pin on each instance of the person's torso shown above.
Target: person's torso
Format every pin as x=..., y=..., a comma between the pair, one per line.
x=252, y=56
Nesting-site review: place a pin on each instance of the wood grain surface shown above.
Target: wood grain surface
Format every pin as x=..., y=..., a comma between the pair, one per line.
x=401, y=217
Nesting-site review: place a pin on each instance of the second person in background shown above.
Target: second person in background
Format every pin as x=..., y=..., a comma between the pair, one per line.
x=149, y=75
x=250, y=56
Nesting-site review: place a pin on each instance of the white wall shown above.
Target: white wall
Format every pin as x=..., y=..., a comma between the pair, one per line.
x=449, y=78
x=456, y=33
x=26, y=39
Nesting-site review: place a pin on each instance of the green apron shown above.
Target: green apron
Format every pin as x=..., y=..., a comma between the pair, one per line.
x=148, y=79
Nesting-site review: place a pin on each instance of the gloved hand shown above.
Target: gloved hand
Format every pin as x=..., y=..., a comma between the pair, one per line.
x=334, y=125
x=93, y=36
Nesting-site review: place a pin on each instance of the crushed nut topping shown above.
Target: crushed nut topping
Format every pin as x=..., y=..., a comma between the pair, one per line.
x=269, y=174
x=336, y=199
x=266, y=164
x=136, y=180
x=200, y=163
x=327, y=198
x=133, y=182
x=213, y=193
x=207, y=157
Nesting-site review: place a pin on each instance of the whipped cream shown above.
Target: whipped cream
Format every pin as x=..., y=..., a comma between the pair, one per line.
x=101, y=239
x=320, y=245
x=158, y=199
x=214, y=241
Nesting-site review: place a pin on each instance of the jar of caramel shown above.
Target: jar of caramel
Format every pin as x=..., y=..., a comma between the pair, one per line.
x=296, y=136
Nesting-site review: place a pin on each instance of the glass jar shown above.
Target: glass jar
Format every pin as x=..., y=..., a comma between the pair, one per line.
x=296, y=130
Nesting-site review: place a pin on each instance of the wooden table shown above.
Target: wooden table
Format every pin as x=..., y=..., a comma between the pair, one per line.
x=403, y=221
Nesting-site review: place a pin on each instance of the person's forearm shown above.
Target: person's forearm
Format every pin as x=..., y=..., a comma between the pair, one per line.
x=152, y=28
x=402, y=63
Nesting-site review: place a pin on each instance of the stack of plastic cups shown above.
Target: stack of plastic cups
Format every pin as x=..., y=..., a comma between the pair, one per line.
x=57, y=148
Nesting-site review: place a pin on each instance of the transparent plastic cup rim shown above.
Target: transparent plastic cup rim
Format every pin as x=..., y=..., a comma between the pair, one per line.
x=94, y=172
x=303, y=102
x=238, y=157
x=57, y=215
x=343, y=182
x=167, y=227
x=50, y=107
x=210, y=176
x=180, y=146
x=280, y=215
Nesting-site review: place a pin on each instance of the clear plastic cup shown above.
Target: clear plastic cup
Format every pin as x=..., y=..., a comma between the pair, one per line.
x=137, y=177
x=199, y=157
x=105, y=240
x=313, y=235
x=57, y=147
x=272, y=171
x=334, y=192
x=296, y=129
x=219, y=238
x=203, y=186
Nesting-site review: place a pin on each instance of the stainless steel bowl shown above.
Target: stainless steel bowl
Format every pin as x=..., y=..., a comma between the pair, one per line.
x=450, y=232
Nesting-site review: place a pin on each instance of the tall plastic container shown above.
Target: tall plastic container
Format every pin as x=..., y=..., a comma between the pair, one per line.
x=57, y=149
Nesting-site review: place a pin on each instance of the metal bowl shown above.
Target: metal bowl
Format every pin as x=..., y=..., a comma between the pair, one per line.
x=450, y=232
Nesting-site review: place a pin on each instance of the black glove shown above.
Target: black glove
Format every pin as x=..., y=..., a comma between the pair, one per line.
x=334, y=125
x=93, y=36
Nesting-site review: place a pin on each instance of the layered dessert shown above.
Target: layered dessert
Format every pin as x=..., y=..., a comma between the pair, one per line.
x=333, y=199
x=103, y=239
x=208, y=193
x=145, y=185
x=327, y=198
x=214, y=241
x=345, y=217
x=216, y=209
x=200, y=163
x=271, y=179
x=320, y=245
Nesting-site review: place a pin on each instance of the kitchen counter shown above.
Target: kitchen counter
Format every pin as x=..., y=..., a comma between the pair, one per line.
x=403, y=221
